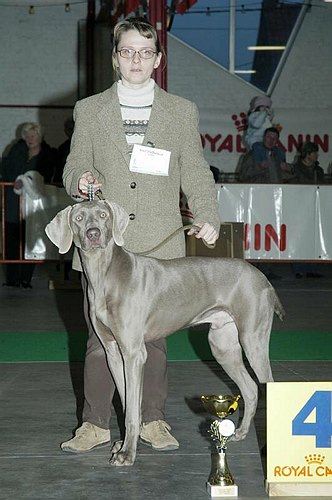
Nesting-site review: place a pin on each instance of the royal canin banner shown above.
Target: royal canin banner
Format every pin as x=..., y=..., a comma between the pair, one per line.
x=281, y=222
x=222, y=134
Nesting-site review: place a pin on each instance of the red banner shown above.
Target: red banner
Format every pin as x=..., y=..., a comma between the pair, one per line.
x=182, y=5
x=131, y=6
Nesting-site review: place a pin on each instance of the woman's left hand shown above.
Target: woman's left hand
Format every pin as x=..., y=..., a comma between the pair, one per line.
x=206, y=232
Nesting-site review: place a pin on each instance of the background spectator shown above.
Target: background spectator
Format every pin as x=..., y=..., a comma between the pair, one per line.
x=29, y=153
x=306, y=167
x=307, y=171
x=272, y=168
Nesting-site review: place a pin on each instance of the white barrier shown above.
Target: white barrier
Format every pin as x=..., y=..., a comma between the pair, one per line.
x=282, y=222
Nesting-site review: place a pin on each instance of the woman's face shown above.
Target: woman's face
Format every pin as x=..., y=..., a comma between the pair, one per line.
x=136, y=72
x=32, y=139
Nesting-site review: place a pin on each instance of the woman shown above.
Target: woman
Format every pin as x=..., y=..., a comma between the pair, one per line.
x=106, y=153
x=31, y=152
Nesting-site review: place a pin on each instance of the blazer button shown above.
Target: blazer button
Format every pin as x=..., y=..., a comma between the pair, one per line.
x=132, y=216
x=133, y=185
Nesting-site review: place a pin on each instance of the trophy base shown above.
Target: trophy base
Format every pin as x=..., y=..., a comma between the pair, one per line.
x=222, y=491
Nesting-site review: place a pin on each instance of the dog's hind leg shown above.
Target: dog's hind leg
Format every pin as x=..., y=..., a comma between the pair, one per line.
x=258, y=357
x=255, y=340
x=226, y=348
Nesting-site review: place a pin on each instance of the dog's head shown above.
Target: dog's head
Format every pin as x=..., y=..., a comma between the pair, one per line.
x=90, y=225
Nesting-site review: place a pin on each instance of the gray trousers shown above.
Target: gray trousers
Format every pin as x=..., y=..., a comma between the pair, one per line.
x=99, y=386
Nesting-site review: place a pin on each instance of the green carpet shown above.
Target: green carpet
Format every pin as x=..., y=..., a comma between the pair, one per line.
x=185, y=345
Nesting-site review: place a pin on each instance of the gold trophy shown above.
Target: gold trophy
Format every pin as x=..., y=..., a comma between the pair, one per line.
x=221, y=482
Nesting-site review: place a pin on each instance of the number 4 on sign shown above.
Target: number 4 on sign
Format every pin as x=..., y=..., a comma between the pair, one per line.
x=321, y=401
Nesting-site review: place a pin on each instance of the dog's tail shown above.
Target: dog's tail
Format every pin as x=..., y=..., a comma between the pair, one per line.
x=278, y=307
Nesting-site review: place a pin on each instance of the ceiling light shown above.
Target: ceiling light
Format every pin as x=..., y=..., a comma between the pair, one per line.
x=245, y=71
x=267, y=47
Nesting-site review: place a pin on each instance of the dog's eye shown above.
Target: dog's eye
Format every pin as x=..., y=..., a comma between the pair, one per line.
x=79, y=217
x=103, y=215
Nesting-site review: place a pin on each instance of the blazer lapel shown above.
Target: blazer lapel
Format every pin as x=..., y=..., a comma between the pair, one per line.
x=110, y=117
x=160, y=119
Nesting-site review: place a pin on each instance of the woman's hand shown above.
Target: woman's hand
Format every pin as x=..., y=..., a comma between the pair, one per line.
x=206, y=232
x=88, y=179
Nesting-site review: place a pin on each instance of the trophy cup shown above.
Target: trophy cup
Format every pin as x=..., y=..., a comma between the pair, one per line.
x=221, y=482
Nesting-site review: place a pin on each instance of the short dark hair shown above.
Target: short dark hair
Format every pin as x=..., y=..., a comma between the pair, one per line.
x=272, y=129
x=307, y=148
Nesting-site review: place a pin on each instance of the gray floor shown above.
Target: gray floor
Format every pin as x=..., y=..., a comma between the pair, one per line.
x=38, y=408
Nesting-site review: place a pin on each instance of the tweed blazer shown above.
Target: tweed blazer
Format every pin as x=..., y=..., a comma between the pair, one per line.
x=99, y=145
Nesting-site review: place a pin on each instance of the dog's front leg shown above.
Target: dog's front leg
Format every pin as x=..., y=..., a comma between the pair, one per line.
x=134, y=361
x=115, y=364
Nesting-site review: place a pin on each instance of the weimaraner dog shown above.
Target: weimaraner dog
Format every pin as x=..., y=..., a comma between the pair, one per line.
x=135, y=299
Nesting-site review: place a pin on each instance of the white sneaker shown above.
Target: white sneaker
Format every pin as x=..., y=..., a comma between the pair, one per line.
x=157, y=435
x=87, y=437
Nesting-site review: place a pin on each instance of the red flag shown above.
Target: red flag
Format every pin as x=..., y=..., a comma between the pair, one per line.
x=130, y=6
x=182, y=5
x=116, y=10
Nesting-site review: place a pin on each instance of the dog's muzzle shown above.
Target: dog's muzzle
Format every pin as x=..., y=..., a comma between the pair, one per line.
x=93, y=235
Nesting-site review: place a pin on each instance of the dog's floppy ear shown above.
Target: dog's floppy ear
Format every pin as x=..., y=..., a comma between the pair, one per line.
x=59, y=230
x=120, y=222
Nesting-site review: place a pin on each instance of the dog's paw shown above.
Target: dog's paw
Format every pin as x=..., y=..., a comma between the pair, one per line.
x=239, y=435
x=122, y=458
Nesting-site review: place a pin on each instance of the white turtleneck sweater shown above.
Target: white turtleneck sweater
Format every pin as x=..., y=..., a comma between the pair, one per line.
x=136, y=107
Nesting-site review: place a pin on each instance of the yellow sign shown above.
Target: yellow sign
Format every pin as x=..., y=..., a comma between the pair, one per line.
x=299, y=432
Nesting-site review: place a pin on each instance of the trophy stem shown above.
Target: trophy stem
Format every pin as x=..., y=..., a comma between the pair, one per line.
x=221, y=482
x=220, y=474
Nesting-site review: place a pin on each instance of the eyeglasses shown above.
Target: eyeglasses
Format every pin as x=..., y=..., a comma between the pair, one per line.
x=130, y=53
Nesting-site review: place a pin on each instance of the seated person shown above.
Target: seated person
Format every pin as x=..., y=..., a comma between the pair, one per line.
x=306, y=168
x=273, y=169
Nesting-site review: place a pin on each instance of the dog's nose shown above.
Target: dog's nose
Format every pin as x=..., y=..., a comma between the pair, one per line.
x=93, y=233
